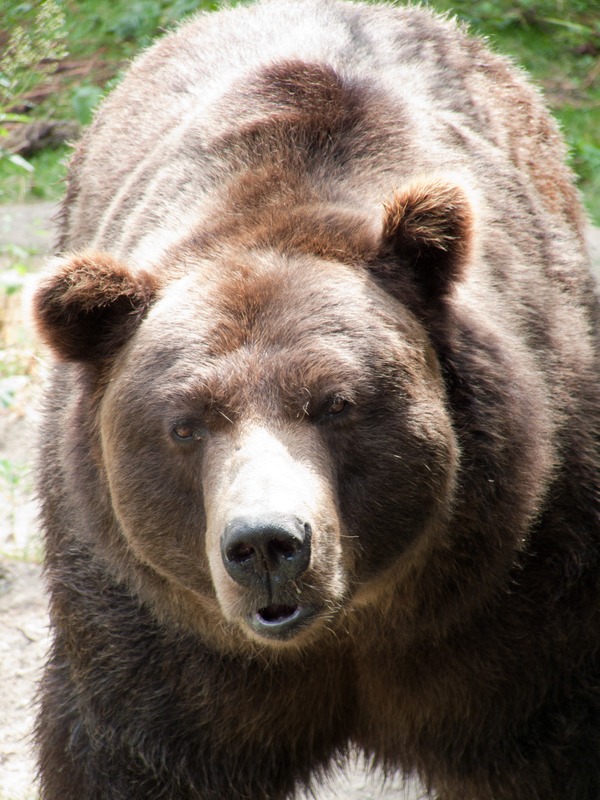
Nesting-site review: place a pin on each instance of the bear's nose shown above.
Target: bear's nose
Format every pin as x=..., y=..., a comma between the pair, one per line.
x=266, y=552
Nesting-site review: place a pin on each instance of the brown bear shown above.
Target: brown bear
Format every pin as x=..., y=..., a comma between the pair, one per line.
x=320, y=461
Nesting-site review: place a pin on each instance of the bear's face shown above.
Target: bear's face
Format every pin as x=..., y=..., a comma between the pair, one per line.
x=281, y=418
x=273, y=433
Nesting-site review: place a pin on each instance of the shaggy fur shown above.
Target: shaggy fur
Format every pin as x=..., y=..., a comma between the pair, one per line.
x=321, y=454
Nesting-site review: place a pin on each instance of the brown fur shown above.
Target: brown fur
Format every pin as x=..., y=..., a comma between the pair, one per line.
x=320, y=465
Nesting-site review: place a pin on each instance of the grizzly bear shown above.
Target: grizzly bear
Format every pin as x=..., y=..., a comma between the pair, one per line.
x=321, y=452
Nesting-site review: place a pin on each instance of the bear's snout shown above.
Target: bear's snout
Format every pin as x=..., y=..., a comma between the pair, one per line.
x=266, y=552
x=272, y=532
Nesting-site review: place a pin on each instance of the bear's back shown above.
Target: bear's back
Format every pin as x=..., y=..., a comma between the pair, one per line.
x=431, y=98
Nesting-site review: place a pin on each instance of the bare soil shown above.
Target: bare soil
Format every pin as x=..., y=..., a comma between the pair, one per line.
x=24, y=636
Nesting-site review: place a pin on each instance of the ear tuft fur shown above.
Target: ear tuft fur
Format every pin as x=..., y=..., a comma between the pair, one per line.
x=88, y=304
x=428, y=227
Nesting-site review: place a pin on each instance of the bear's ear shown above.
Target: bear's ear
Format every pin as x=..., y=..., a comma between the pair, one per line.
x=428, y=228
x=88, y=304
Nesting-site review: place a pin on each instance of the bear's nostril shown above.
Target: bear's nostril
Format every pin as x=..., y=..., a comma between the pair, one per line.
x=282, y=548
x=240, y=553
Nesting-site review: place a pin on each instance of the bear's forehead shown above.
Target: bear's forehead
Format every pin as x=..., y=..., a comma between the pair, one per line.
x=270, y=299
x=295, y=327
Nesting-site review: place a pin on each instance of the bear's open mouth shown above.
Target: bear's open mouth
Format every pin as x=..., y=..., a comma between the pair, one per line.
x=278, y=621
x=276, y=614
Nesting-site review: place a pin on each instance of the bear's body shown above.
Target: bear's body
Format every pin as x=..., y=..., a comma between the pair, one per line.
x=320, y=465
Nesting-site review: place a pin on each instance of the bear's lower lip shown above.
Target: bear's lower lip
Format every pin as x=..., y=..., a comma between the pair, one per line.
x=280, y=621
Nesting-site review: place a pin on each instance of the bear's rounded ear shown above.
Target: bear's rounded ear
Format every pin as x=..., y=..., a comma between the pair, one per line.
x=427, y=229
x=88, y=304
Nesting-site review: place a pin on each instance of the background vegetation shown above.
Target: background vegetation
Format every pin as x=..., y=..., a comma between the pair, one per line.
x=59, y=56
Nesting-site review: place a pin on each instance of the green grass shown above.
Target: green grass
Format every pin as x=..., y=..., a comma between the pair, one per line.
x=557, y=41
x=44, y=182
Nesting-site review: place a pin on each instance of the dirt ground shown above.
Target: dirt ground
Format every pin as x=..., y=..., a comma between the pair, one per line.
x=23, y=607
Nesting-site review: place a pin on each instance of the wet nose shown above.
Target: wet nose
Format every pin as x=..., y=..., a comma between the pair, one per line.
x=266, y=552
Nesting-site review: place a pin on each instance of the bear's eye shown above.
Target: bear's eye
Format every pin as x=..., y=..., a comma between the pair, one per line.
x=335, y=406
x=185, y=432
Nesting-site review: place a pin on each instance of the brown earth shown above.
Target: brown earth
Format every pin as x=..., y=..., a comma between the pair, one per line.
x=23, y=607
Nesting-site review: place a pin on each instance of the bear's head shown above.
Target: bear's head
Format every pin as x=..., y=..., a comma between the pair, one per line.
x=270, y=428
